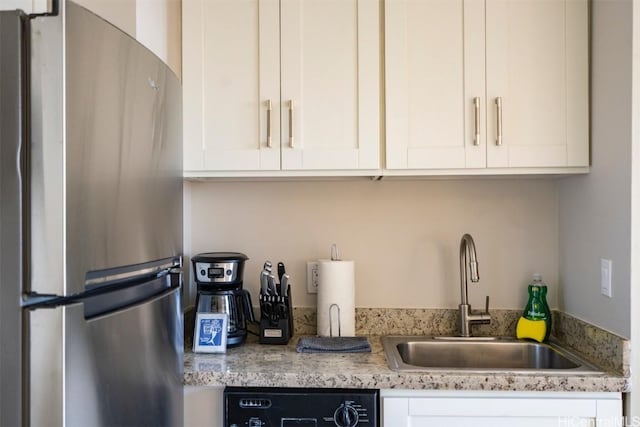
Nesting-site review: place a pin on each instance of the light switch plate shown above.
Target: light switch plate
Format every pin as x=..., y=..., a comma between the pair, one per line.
x=605, y=277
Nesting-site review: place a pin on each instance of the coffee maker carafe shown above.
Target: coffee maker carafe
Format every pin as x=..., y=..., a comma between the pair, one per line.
x=218, y=277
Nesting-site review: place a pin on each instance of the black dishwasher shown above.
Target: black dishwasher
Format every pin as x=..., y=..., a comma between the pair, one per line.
x=300, y=407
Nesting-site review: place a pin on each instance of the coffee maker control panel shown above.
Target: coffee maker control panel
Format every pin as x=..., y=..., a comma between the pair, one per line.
x=217, y=272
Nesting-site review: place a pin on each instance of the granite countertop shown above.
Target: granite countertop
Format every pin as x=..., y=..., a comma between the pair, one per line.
x=253, y=364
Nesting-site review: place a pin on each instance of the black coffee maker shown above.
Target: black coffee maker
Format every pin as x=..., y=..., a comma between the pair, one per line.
x=218, y=276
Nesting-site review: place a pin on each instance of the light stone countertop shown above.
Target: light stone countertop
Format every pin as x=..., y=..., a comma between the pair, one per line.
x=256, y=365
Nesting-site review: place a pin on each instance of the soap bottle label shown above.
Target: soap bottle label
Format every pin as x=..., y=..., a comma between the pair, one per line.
x=535, y=309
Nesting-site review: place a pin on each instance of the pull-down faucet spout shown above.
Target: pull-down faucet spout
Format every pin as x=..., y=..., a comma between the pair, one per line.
x=467, y=317
x=467, y=248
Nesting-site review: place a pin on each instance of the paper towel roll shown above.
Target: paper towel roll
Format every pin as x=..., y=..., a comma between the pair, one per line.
x=336, y=285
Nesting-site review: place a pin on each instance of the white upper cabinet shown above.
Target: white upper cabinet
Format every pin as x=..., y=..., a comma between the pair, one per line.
x=426, y=51
x=28, y=6
x=330, y=72
x=537, y=64
x=231, y=73
x=281, y=86
x=474, y=84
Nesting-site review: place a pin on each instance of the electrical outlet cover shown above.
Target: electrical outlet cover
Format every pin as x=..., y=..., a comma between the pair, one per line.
x=312, y=277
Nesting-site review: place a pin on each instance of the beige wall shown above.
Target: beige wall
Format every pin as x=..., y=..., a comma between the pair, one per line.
x=404, y=235
x=595, y=209
x=159, y=27
x=154, y=23
x=121, y=13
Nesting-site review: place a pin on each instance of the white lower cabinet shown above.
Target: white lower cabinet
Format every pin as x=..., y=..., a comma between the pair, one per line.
x=203, y=406
x=432, y=408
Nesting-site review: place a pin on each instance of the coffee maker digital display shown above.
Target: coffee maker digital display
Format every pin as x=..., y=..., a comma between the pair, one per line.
x=216, y=273
x=219, y=277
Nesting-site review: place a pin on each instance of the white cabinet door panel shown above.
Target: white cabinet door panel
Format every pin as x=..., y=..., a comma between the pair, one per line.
x=203, y=406
x=475, y=84
x=442, y=55
x=527, y=67
x=316, y=63
x=495, y=409
x=502, y=407
x=231, y=72
x=425, y=100
x=327, y=46
x=499, y=422
x=27, y=6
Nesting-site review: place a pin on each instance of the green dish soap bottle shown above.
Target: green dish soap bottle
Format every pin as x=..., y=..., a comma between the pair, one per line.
x=535, y=322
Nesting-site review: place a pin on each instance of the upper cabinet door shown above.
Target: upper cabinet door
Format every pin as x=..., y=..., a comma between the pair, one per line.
x=27, y=6
x=292, y=87
x=474, y=84
x=431, y=117
x=231, y=78
x=537, y=69
x=330, y=104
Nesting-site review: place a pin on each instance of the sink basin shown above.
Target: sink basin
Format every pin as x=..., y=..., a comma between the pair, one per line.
x=483, y=353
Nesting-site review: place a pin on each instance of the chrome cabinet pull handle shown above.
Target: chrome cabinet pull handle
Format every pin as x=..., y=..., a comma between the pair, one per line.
x=268, y=123
x=499, y=123
x=291, y=123
x=476, y=120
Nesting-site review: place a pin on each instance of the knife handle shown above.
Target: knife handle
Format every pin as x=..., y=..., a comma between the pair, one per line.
x=281, y=271
x=273, y=290
x=264, y=283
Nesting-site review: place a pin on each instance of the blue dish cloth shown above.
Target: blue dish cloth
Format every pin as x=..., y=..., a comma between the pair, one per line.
x=333, y=345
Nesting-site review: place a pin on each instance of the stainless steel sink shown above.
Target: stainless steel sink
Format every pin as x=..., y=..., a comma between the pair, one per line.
x=412, y=353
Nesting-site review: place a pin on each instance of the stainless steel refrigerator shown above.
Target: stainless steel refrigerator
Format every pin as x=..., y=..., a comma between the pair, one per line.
x=90, y=225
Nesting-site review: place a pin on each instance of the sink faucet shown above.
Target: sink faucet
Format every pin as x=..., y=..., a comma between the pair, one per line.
x=467, y=317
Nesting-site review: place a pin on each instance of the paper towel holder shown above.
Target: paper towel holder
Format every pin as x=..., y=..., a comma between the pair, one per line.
x=334, y=254
x=331, y=322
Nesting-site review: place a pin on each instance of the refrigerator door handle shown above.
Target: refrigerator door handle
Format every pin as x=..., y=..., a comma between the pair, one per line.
x=125, y=293
x=129, y=296
x=33, y=300
x=98, y=278
x=176, y=275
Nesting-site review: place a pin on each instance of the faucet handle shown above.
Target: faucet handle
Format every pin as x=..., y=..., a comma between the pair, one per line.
x=486, y=306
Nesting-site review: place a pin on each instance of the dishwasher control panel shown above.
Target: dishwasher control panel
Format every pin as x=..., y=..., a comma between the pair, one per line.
x=300, y=407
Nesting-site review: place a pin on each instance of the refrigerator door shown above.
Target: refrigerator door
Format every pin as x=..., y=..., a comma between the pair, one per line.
x=104, y=206
x=122, y=363
x=12, y=162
